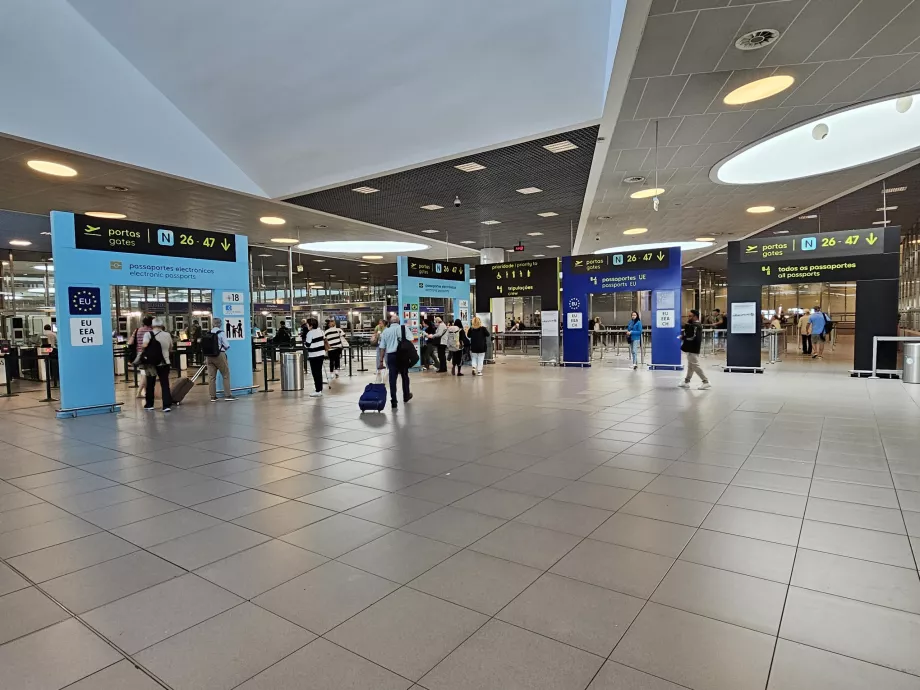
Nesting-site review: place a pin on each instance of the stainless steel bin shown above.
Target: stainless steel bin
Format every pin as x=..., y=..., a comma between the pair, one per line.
x=292, y=371
x=911, y=373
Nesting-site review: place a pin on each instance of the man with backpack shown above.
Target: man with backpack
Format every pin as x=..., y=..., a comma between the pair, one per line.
x=154, y=357
x=692, y=338
x=820, y=330
x=396, y=350
x=214, y=346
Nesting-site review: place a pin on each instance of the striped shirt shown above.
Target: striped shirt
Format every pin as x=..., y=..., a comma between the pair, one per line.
x=334, y=338
x=315, y=343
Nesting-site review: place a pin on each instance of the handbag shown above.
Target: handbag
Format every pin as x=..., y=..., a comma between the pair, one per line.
x=343, y=339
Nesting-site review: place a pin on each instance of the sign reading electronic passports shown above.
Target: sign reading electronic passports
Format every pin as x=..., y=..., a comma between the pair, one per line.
x=536, y=277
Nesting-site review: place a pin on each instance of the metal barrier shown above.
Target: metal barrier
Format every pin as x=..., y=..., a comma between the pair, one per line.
x=770, y=341
x=887, y=339
x=616, y=339
x=517, y=342
x=714, y=340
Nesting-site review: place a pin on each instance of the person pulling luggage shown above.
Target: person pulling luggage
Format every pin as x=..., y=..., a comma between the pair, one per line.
x=214, y=346
x=157, y=345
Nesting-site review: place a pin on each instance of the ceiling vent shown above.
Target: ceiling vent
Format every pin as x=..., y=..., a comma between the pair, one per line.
x=635, y=179
x=117, y=188
x=755, y=40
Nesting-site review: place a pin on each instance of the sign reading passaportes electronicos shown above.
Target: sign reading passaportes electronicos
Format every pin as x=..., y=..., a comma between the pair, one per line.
x=128, y=237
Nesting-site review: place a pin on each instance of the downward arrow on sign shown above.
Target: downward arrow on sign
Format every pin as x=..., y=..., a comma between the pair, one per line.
x=872, y=238
x=660, y=256
x=225, y=244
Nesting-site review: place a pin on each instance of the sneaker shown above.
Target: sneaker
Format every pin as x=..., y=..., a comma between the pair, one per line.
x=167, y=409
x=213, y=399
x=683, y=384
x=408, y=397
x=460, y=373
x=635, y=366
x=393, y=404
x=230, y=398
x=705, y=386
x=149, y=408
x=316, y=394
x=478, y=373
x=814, y=356
x=336, y=375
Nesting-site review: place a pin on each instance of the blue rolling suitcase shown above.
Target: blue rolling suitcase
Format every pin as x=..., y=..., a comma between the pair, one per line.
x=374, y=396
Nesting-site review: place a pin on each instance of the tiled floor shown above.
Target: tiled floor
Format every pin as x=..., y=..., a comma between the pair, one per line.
x=534, y=528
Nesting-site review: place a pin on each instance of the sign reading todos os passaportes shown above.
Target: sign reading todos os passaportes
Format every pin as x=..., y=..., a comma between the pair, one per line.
x=128, y=237
x=437, y=270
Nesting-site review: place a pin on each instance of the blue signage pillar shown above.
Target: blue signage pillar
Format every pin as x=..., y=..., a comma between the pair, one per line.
x=417, y=278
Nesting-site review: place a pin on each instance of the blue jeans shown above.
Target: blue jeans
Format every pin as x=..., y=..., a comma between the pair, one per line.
x=394, y=371
x=634, y=350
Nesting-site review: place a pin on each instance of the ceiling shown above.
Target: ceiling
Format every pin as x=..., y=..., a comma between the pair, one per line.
x=487, y=194
x=839, y=51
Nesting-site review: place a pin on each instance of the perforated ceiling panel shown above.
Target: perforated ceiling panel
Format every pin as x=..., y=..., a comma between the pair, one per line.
x=488, y=194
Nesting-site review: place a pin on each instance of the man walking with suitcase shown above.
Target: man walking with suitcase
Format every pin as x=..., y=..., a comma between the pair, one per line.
x=389, y=355
x=214, y=347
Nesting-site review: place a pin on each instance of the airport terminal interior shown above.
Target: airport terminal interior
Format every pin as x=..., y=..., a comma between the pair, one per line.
x=690, y=455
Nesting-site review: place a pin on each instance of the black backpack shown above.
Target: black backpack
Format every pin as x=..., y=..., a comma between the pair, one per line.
x=152, y=356
x=210, y=344
x=406, y=354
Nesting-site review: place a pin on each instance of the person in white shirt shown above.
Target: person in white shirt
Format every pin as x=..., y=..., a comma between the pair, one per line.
x=316, y=346
x=50, y=336
x=218, y=362
x=156, y=364
x=333, y=336
x=389, y=343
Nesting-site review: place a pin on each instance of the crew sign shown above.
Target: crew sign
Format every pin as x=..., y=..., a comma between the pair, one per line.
x=809, y=248
x=128, y=237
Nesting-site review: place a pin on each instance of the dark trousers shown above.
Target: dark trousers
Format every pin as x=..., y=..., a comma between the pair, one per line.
x=335, y=359
x=316, y=368
x=456, y=359
x=395, y=371
x=806, y=344
x=428, y=355
x=442, y=357
x=163, y=375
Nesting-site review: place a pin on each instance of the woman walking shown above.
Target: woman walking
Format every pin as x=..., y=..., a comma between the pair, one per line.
x=316, y=345
x=634, y=333
x=456, y=340
x=479, y=342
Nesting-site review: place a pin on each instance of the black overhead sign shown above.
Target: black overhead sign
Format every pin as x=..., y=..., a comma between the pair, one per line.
x=436, y=270
x=537, y=277
x=105, y=235
x=808, y=248
x=622, y=261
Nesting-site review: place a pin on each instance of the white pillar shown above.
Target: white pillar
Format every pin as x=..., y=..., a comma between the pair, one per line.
x=493, y=255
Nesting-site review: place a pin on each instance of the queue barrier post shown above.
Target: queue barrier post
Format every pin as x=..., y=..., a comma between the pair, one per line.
x=48, y=397
x=9, y=378
x=265, y=389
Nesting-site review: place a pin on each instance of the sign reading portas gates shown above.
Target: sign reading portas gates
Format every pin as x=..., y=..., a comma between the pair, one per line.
x=808, y=248
x=622, y=261
x=128, y=237
x=438, y=270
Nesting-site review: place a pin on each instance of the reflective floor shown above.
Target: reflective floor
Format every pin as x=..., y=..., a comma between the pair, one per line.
x=531, y=528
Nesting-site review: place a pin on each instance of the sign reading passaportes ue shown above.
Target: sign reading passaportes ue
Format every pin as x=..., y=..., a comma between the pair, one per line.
x=124, y=236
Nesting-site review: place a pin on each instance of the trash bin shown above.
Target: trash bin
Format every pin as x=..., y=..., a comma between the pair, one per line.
x=292, y=371
x=911, y=372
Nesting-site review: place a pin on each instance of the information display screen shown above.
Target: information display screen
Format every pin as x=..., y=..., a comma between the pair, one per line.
x=621, y=261
x=538, y=277
x=436, y=270
x=124, y=236
x=811, y=248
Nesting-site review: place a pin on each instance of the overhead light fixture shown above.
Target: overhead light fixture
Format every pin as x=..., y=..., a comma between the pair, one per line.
x=432, y=207
x=705, y=239
x=325, y=269
x=470, y=167
x=603, y=217
x=365, y=190
x=759, y=90
x=809, y=216
x=280, y=265
x=646, y=193
x=539, y=255
x=635, y=231
x=552, y=246
x=881, y=222
x=721, y=253
x=529, y=190
x=264, y=255
x=44, y=233
x=534, y=234
x=468, y=242
x=49, y=168
x=856, y=136
x=491, y=222
x=40, y=290
x=272, y=220
x=285, y=240
x=372, y=257
x=105, y=214
x=319, y=261
x=895, y=190
x=365, y=271
x=761, y=209
x=547, y=214
x=359, y=246
x=560, y=146
x=43, y=267
x=887, y=208
x=430, y=231
x=685, y=246
x=780, y=232
x=20, y=243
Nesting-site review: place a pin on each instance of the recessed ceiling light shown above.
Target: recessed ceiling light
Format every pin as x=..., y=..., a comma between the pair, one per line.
x=430, y=231
x=705, y=239
x=721, y=252
x=365, y=271
x=325, y=269
x=646, y=193
x=105, y=214
x=534, y=234
x=319, y=261
x=552, y=246
x=809, y=216
x=49, y=168
x=761, y=209
x=895, y=190
x=20, y=243
x=887, y=208
x=372, y=257
x=432, y=207
x=635, y=231
x=529, y=190
x=603, y=217
x=547, y=214
x=280, y=265
x=365, y=190
x=284, y=240
x=760, y=89
x=855, y=136
x=359, y=246
x=272, y=220
x=491, y=222
x=470, y=167
x=539, y=255
x=780, y=232
x=881, y=222
x=468, y=242
x=264, y=255
x=44, y=233
x=560, y=146
x=685, y=246
x=43, y=267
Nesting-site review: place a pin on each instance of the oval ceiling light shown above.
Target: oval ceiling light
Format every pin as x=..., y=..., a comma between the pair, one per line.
x=272, y=220
x=646, y=193
x=761, y=209
x=705, y=239
x=359, y=246
x=758, y=90
x=858, y=135
x=285, y=240
x=49, y=168
x=20, y=243
x=685, y=246
x=372, y=257
x=635, y=231
x=105, y=214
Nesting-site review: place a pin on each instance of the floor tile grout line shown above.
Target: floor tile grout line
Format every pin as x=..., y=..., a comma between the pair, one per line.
x=910, y=542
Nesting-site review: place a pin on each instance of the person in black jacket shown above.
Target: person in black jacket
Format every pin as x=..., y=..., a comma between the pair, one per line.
x=479, y=343
x=692, y=337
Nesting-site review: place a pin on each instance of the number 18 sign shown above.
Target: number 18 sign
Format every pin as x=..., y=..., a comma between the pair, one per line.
x=232, y=297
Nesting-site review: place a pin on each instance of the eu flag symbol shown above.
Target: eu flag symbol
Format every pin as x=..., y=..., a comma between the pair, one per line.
x=84, y=300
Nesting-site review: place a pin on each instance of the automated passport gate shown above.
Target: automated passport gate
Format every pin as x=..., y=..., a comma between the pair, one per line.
x=869, y=257
x=656, y=270
x=533, y=278
x=417, y=278
x=93, y=254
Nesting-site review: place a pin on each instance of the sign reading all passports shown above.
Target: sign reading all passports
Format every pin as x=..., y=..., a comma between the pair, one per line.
x=621, y=261
x=436, y=270
x=128, y=237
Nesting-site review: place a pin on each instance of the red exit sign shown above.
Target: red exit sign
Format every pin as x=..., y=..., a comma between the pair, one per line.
x=519, y=247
